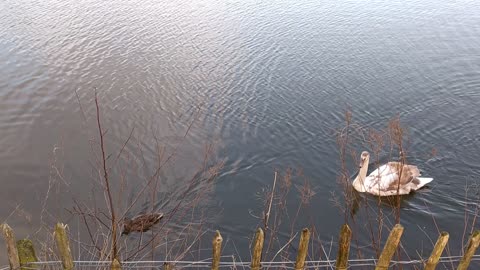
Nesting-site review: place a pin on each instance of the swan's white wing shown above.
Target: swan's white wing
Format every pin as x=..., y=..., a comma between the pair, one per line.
x=382, y=178
x=393, y=178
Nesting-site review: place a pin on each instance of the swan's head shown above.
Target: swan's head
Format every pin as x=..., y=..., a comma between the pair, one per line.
x=364, y=159
x=358, y=183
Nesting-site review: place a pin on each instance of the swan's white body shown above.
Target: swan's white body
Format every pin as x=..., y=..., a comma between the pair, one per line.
x=390, y=179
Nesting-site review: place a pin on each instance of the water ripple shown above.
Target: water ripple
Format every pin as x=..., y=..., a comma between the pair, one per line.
x=268, y=83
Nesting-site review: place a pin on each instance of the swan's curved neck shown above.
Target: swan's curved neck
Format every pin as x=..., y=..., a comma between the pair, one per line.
x=358, y=183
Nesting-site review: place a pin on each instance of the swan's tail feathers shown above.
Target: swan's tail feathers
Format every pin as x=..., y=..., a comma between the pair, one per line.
x=423, y=181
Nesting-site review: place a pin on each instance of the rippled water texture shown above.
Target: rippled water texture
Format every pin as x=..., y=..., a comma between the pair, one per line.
x=266, y=81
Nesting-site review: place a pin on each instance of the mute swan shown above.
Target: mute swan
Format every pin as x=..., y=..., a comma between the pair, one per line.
x=388, y=178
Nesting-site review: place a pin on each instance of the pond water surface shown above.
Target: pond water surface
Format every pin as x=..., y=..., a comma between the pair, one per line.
x=266, y=82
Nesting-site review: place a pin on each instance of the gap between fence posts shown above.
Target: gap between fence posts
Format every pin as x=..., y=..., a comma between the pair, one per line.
x=472, y=246
x=437, y=251
x=390, y=247
x=257, y=250
x=9, y=237
x=343, y=248
x=217, y=248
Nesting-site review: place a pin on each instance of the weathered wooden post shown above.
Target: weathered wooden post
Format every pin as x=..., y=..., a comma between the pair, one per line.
x=302, y=249
x=217, y=249
x=13, y=259
x=343, y=248
x=63, y=245
x=115, y=265
x=257, y=250
x=437, y=251
x=390, y=247
x=472, y=246
x=26, y=254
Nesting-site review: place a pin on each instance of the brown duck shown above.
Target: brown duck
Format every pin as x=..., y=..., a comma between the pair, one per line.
x=141, y=223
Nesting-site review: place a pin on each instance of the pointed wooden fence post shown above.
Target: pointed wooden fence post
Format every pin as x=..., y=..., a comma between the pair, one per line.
x=343, y=248
x=217, y=248
x=9, y=236
x=390, y=247
x=26, y=254
x=167, y=266
x=302, y=249
x=115, y=265
x=257, y=250
x=437, y=251
x=63, y=245
x=471, y=248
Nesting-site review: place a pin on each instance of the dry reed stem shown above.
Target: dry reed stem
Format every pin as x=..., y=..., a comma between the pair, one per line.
x=267, y=215
x=108, y=191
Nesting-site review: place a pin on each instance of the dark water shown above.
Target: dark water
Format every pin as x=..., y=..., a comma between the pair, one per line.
x=267, y=82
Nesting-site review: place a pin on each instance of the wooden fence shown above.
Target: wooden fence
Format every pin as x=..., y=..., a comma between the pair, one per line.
x=25, y=256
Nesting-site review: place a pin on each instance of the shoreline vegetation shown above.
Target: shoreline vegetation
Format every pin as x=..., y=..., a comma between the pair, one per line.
x=21, y=254
x=103, y=216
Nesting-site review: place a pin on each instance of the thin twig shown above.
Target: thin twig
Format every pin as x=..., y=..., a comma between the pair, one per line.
x=267, y=215
x=107, y=183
